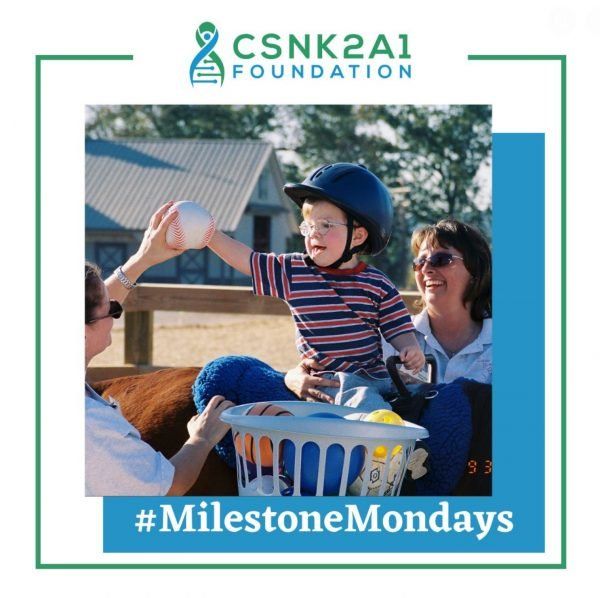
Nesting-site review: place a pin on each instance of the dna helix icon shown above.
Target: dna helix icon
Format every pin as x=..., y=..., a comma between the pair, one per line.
x=207, y=67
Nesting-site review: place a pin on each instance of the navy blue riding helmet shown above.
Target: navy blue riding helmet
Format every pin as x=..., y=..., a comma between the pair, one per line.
x=356, y=191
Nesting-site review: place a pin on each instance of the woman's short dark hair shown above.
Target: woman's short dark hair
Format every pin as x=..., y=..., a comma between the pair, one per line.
x=477, y=257
x=93, y=290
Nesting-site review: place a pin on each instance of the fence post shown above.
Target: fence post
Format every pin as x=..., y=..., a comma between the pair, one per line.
x=139, y=326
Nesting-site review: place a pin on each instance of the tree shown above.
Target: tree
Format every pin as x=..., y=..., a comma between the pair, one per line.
x=441, y=150
x=181, y=122
x=429, y=156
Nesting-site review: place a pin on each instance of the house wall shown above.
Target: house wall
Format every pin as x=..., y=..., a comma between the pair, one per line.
x=267, y=194
x=265, y=200
x=99, y=243
x=130, y=241
x=243, y=233
x=280, y=221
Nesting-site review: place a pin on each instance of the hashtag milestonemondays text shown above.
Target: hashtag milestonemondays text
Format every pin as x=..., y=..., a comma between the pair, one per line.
x=206, y=517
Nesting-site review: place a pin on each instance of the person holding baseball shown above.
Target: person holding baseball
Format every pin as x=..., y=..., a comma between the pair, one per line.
x=117, y=460
x=339, y=303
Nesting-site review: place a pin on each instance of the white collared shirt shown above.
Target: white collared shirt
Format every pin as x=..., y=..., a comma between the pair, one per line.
x=117, y=460
x=473, y=361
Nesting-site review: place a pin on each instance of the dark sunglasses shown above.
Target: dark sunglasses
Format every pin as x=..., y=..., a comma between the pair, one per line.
x=437, y=260
x=115, y=310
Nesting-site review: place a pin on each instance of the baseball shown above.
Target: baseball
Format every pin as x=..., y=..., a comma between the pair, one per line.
x=192, y=228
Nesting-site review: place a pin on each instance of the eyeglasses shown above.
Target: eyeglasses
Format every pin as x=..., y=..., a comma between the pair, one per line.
x=437, y=260
x=320, y=227
x=115, y=309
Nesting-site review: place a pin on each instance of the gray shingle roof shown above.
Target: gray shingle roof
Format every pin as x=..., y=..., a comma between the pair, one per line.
x=126, y=180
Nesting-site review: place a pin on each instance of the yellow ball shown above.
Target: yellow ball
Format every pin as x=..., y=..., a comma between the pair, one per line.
x=385, y=416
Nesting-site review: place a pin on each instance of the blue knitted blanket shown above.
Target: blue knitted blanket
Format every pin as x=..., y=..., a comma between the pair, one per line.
x=447, y=417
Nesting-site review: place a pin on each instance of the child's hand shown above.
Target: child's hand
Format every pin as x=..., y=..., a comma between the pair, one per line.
x=303, y=383
x=412, y=357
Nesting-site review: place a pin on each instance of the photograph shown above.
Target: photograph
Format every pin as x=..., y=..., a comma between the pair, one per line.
x=294, y=224
x=288, y=300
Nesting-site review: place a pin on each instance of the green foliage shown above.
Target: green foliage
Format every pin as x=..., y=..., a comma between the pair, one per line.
x=429, y=156
x=440, y=153
x=181, y=122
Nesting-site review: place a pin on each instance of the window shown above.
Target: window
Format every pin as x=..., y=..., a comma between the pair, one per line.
x=262, y=233
x=262, y=187
x=109, y=256
x=192, y=267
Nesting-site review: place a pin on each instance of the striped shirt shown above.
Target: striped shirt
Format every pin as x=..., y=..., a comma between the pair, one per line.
x=338, y=313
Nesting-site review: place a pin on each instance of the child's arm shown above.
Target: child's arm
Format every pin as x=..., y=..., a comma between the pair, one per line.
x=234, y=253
x=409, y=351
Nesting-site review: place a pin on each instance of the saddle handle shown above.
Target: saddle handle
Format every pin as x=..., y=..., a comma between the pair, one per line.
x=392, y=364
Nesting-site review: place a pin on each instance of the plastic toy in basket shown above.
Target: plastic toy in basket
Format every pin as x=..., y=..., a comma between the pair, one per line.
x=321, y=455
x=385, y=416
x=378, y=478
x=375, y=471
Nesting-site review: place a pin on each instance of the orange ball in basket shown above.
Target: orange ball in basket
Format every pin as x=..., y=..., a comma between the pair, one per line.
x=265, y=446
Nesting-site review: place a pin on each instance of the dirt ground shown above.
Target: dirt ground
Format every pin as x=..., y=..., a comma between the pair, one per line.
x=186, y=339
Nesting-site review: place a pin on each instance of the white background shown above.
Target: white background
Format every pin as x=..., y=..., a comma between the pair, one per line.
x=159, y=36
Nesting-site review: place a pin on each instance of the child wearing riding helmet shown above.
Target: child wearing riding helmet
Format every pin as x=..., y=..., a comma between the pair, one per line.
x=339, y=303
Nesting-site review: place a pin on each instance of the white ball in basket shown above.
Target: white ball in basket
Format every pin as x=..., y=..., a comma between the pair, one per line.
x=192, y=228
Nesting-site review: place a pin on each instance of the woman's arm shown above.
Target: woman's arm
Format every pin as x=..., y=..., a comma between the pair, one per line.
x=305, y=385
x=206, y=429
x=153, y=250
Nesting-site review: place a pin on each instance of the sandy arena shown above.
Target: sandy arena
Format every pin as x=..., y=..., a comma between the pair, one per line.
x=190, y=339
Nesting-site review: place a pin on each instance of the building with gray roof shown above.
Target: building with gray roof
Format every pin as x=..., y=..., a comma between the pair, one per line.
x=238, y=181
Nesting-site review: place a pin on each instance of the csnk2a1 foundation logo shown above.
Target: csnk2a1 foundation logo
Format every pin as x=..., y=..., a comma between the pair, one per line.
x=297, y=56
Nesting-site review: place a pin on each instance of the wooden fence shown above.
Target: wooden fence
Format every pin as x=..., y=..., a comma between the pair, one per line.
x=145, y=299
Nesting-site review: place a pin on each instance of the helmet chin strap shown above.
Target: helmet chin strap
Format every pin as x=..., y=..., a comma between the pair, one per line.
x=348, y=252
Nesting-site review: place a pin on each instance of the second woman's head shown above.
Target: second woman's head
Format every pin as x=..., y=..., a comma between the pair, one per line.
x=453, y=268
x=99, y=313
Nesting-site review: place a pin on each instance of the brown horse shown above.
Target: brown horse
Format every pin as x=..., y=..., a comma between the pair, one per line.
x=159, y=405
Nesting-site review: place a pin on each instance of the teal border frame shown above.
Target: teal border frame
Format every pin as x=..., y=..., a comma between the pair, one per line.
x=39, y=60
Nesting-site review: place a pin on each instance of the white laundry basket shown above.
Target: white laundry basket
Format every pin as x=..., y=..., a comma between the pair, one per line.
x=319, y=451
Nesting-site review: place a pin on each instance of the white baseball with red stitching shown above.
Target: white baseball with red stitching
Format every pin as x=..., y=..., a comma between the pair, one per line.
x=192, y=228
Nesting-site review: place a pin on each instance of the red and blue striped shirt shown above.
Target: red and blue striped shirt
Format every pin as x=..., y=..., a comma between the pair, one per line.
x=339, y=314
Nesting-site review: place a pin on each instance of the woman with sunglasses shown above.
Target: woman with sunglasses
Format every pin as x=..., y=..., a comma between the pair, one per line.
x=453, y=271
x=117, y=460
